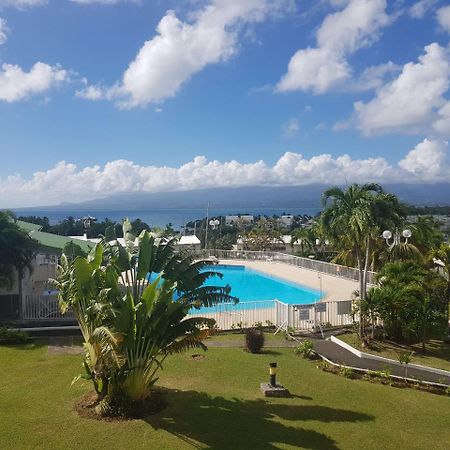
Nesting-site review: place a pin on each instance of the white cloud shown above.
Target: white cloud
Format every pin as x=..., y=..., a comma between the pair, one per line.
x=16, y=84
x=22, y=3
x=410, y=103
x=321, y=68
x=427, y=162
x=443, y=17
x=291, y=127
x=104, y=2
x=181, y=49
x=3, y=31
x=374, y=77
x=420, y=8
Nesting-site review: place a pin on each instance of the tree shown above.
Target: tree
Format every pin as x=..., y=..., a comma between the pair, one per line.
x=131, y=303
x=73, y=250
x=263, y=235
x=354, y=220
x=441, y=256
x=410, y=300
x=16, y=251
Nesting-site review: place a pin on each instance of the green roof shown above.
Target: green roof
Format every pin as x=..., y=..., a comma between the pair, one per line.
x=54, y=241
x=27, y=226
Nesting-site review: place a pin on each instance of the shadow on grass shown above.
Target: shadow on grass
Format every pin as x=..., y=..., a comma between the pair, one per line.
x=220, y=423
x=270, y=352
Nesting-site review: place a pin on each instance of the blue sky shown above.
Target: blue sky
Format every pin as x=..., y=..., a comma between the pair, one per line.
x=126, y=88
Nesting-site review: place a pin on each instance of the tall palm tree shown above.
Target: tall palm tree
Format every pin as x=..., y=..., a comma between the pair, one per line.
x=354, y=219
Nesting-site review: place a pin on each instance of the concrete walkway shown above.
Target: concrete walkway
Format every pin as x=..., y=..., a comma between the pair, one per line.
x=335, y=353
x=339, y=355
x=333, y=288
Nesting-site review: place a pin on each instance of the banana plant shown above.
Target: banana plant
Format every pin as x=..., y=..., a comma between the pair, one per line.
x=132, y=302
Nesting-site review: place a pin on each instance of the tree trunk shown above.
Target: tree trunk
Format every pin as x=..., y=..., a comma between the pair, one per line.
x=366, y=268
x=361, y=274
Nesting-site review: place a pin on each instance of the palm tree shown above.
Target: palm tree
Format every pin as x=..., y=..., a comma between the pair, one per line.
x=131, y=303
x=16, y=252
x=306, y=239
x=354, y=221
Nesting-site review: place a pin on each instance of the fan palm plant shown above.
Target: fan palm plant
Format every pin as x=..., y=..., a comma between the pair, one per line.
x=132, y=303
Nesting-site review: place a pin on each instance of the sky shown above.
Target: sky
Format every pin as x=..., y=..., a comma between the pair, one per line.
x=100, y=97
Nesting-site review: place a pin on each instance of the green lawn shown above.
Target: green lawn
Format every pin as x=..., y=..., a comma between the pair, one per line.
x=215, y=403
x=437, y=352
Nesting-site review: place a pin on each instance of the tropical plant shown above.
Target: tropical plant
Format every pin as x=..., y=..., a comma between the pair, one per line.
x=405, y=358
x=305, y=349
x=410, y=300
x=254, y=340
x=16, y=251
x=132, y=304
x=440, y=258
x=354, y=221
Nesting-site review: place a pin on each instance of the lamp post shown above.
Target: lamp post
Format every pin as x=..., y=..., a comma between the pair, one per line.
x=395, y=238
x=273, y=373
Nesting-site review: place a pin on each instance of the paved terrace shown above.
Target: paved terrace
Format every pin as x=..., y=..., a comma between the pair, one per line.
x=334, y=288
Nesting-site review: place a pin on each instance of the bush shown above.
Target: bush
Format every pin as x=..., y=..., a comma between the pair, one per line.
x=254, y=340
x=305, y=349
x=8, y=336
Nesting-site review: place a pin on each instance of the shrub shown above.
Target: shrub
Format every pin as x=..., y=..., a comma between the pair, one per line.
x=347, y=372
x=254, y=340
x=8, y=336
x=305, y=349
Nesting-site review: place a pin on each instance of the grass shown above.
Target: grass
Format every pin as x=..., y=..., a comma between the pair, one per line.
x=437, y=352
x=215, y=403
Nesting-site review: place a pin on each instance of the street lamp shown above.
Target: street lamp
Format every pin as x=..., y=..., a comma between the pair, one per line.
x=396, y=237
x=214, y=223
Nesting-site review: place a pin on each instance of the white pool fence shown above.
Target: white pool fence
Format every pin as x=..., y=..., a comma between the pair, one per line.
x=305, y=263
x=228, y=316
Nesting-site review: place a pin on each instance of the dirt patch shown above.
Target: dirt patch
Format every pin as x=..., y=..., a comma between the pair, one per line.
x=198, y=357
x=156, y=402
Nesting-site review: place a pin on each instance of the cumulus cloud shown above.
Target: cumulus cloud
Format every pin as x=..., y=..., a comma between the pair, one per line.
x=104, y=2
x=420, y=8
x=427, y=162
x=3, y=31
x=17, y=84
x=22, y=3
x=291, y=127
x=443, y=17
x=181, y=49
x=318, y=69
x=413, y=101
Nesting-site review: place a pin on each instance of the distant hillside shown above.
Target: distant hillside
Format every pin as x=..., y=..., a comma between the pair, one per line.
x=252, y=197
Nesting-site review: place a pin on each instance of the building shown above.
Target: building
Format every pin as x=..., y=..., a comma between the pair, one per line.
x=191, y=242
x=48, y=249
x=243, y=219
x=285, y=221
x=283, y=244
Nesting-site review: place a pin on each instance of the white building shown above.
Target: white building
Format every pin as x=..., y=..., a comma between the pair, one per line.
x=245, y=219
x=286, y=220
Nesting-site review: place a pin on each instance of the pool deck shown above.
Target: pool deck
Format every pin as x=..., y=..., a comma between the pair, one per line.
x=334, y=288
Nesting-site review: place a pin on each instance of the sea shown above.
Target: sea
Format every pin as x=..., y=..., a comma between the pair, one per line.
x=158, y=217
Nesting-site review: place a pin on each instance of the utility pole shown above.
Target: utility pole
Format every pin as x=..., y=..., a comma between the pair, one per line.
x=206, y=232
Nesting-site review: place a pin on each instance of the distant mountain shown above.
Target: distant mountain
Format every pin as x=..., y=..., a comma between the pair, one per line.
x=249, y=197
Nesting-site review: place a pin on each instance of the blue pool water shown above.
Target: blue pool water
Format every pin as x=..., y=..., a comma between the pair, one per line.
x=250, y=285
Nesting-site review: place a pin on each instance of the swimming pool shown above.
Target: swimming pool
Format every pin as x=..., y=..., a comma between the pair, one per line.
x=250, y=285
